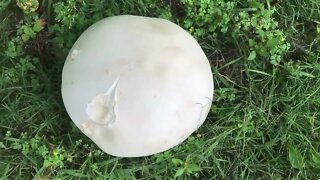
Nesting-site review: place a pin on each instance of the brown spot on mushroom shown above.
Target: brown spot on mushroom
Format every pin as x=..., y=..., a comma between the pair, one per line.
x=120, y=63
x=160, y=28
x=173, y=49
x=86, y=128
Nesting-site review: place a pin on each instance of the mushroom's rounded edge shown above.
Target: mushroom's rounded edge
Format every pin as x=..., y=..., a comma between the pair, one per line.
x=98, y=126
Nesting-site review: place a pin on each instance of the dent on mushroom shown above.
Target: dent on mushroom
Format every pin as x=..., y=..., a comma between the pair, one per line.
x=203, y=113
x=96, y=131
x=101, y=108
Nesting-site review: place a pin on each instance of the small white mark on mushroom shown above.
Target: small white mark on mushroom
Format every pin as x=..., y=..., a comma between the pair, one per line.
x=74, y=53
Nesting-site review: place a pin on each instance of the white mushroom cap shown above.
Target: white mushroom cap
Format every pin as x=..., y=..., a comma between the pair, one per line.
x=137, y=86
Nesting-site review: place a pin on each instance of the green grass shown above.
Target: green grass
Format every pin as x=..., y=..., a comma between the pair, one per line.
x=265, y=118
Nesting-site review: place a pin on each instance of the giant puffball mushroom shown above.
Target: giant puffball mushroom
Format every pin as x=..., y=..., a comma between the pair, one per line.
x=137, y=86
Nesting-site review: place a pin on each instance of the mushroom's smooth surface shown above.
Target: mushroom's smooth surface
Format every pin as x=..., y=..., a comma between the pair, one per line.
x=136, y=85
